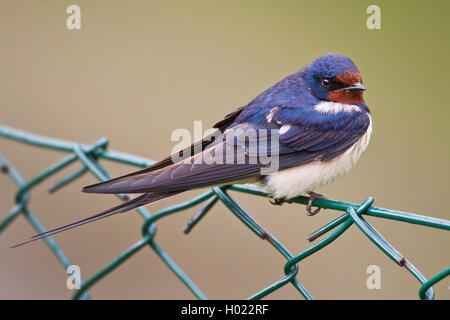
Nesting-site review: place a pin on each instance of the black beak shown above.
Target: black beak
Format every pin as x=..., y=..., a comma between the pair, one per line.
x=355, y=86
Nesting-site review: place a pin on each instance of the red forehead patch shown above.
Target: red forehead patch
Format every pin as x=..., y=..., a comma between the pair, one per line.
x=349, y=78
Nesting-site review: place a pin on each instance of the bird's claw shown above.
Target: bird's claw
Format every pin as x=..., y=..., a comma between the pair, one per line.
x=277, y=201
x=313, y=196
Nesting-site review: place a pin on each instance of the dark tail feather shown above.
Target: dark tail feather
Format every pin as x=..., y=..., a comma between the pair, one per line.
x=123, y=207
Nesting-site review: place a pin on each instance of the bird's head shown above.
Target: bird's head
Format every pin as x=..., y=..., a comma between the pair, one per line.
x=334, y=77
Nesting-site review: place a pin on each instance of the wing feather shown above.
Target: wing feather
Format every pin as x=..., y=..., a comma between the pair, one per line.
x=303, y=142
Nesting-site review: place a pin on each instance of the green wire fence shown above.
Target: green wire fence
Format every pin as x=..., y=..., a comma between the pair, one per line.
x=89, y=156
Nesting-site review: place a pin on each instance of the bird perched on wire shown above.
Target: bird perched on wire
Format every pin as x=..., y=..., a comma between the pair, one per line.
x=314, y=123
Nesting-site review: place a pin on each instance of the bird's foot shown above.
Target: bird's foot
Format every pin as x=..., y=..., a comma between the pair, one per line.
x=277, y=201
x=313, y=196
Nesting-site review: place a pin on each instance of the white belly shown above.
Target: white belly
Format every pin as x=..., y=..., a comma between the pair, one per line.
x=293, y=182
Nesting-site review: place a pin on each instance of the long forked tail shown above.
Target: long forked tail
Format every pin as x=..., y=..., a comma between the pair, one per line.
x=123, y=207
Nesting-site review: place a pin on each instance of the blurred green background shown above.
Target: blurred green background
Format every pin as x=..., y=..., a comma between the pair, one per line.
x=137, y=70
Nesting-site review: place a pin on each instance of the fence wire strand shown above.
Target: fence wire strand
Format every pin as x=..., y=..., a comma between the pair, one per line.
x=89, y=156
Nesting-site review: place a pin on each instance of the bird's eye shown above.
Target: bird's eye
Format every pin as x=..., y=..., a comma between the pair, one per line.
x=326, y=83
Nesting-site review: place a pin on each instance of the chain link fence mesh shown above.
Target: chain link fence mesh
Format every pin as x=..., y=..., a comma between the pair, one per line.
x=89, y=155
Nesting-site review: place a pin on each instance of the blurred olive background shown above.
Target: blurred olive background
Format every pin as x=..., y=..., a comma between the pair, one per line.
x=137, y=70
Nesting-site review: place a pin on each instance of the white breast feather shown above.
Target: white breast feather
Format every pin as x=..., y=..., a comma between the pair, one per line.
x=335, y=107
x=293, y=182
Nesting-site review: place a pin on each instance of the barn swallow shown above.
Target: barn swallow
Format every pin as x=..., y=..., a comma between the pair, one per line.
x=321, y=123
